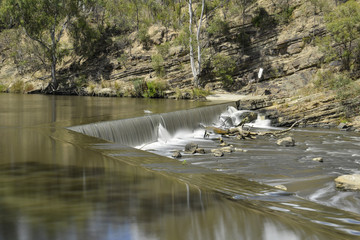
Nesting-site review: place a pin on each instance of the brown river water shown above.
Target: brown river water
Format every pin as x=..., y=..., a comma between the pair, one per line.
x=59, y=184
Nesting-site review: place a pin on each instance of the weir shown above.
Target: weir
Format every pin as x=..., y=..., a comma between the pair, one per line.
x=141, y=130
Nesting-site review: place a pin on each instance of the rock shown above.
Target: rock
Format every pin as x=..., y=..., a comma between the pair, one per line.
x=227, y=149
x=191, y=148
x=348, y=182
x=176, y=154
x=286, y=142
x=200, y=150
x=342, y=126
x=240, y=150
x=281, y=187
x=248, y=117
x=223, y=144
x=318, y=159
x=218, y=153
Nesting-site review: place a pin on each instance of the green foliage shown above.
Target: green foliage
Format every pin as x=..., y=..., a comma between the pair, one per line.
x=343, y=41
x=224, y=67
x=218, y=27
x=157, y=63
x=200, y=93
x=284, y=16
x=340, y=83
x=163, y=49
x=155, y=89
x=123, y=59
x=183, y=39
x=2, y=88
x=262, y=19
x=88, y=39
x=140, y=86
x=144, y=37
x=80, y=81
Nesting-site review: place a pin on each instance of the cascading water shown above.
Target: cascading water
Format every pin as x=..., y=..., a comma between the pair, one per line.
x=143, y=130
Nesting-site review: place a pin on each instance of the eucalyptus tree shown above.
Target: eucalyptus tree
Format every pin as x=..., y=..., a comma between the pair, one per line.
x=45, y=21
x=343, y=24
x=195, y=66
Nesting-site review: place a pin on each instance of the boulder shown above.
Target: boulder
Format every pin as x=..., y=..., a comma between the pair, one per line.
x=191, y=148
x=176, y=154
x=342, y=126
x=348, y=182
x=318, y=159
x=286, y=142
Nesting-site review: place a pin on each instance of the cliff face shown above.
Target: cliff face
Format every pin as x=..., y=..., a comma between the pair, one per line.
x=285, y=51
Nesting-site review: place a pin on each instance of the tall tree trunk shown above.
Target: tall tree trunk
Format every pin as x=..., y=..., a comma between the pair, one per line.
x=195, y=69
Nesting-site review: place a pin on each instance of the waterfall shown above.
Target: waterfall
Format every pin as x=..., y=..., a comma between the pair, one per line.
x=136, y=131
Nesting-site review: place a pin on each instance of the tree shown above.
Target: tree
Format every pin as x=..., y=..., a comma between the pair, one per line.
x=44, y=21
x=195, y=68
x=343, y=25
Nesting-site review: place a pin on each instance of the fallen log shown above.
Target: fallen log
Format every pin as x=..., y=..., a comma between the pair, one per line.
x=243, y=134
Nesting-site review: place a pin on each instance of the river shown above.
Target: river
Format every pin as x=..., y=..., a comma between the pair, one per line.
x=59, y=184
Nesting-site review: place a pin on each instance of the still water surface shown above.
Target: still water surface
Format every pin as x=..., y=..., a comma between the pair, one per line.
x=58, y=184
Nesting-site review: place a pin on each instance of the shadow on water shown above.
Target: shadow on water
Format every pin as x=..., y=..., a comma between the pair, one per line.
x=58, y=184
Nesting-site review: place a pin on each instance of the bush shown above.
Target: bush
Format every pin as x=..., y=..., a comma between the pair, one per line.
x=200, y=93
x=144, y=37
x=155, y=89
x=139, y=87
x=2, y=88
x=340, y=83
x=283, y=17
x=262, y=19
x=218, y=27
x=224, y=67
x=157, y=63
x=163, y=49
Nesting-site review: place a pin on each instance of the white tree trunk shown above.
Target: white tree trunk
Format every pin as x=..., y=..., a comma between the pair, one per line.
x=195, y=69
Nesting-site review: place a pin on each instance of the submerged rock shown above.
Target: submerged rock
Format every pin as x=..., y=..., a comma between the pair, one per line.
x=217, y=153
x=281, y=187
x=200, y=150
x=286, y=142
x=191, y=148
x=176, y=154
x=348, y=182
x=227, y=149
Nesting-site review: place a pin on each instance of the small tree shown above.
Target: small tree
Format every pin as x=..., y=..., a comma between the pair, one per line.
x=343, y=25
x=44, y=21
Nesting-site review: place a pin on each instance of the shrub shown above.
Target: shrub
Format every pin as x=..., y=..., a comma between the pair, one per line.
x=157, y=63
x=340, y=83
x=283, y=17
x=144, y=37
x=224, y=67
x=139, y=87
x=218, y=27
x=155, y=89
x=262, y=19
x=163, y=49
x=200, y=93
x=2, y=88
